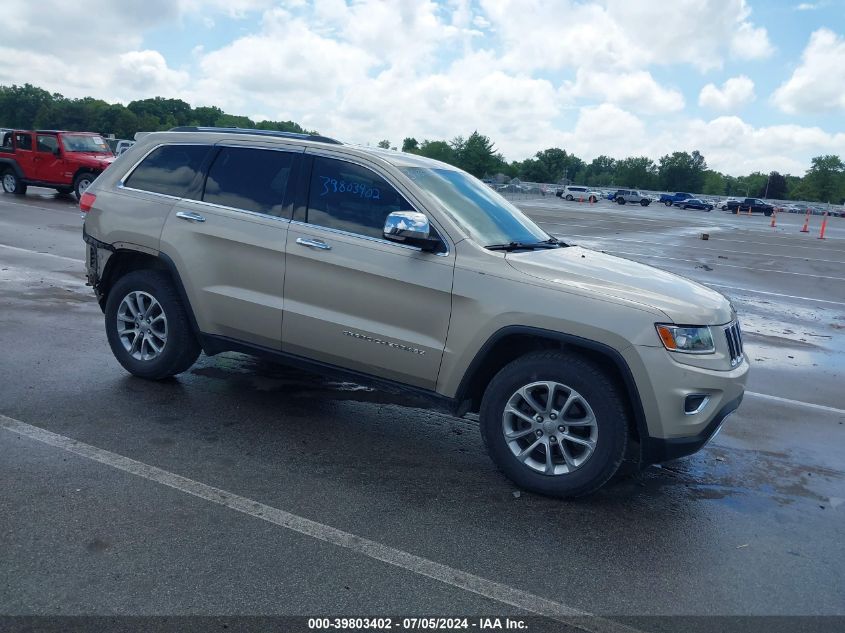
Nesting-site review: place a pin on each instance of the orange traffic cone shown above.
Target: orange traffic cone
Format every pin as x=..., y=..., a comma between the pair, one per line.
x=774, y=218
x=824, y=226
x=581, y=199
x=749, y=209
x=806, y=227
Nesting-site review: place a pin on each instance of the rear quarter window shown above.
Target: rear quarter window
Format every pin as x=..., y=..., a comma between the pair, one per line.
x=250, y=179
x=169, y=169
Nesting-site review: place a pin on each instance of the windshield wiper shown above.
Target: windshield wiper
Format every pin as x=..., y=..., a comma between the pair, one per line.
x=523, y=246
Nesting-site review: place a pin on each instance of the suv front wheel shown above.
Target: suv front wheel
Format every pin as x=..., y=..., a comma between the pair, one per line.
x=147, y=326
x=82, y=182
x=554, y=423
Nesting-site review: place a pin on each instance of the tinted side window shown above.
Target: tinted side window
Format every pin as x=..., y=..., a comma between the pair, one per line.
x=170, y=169
x=351, y=198
x=46, y=143
x=250, y=179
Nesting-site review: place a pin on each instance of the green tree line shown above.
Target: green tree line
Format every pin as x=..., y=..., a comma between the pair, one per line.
x=30, y=107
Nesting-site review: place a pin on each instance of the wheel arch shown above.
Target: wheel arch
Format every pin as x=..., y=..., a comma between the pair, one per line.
x=9, y=163
x=509, y=343
x=85, y=170
x=125, y=260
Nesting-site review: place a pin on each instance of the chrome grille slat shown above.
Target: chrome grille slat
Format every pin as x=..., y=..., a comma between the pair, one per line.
x=733, y=336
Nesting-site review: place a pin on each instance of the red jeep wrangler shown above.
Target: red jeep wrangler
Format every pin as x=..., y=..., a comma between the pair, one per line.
x=65, y=161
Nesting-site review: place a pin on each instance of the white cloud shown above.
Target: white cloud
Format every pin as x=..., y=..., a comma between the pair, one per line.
x=785, y=148
x=810, y=6
x=624, y=34
x=734, y=93
x=818, y=84
x=636, y=90
x=530, y=74
x=146, y=72
x=750, y=42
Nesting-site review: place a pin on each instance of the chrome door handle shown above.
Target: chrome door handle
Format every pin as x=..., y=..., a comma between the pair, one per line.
x=313, y=243
x=190, y=216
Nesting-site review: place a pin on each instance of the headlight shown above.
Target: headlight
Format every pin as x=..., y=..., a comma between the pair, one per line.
x=686, y=339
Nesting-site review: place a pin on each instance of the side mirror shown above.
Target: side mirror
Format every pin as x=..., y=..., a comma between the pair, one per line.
x=410, y=227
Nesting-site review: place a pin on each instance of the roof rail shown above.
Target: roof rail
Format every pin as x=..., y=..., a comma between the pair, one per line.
x=242, y=130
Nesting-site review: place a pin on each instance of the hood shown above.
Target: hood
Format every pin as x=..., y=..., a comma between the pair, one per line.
x=579, y=269
x=93, y=158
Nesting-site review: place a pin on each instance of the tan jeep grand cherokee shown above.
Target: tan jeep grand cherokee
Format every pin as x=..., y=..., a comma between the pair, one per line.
x=393, y=269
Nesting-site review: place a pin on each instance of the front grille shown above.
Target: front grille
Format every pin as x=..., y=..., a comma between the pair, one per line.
x=734, y=338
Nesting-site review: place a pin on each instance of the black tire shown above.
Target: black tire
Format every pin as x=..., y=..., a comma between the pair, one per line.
x=568, y=197
x=620, y=200
x=593, y=199
x=181, y=347
x=668, y=203
x=13, y=184
x=685, y=207
x=596, y=388
x=79, y=183
x=767, y=213
x=645, y=203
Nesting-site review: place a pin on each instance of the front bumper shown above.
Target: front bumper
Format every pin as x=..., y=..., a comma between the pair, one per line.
x=668, y=430
x=654, y=450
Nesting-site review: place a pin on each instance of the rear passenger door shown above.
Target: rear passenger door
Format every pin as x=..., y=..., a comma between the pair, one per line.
x=25, y=155
x=228, y=242
x=354, y=299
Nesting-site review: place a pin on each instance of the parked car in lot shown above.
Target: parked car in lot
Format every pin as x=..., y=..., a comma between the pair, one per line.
x=696, y=203
x=64, y=161
x=577, y=192
x=755, y=205
x=726, y=203
x=119, y=145
x=623, y=196
x=388, y=268
x=672, y=198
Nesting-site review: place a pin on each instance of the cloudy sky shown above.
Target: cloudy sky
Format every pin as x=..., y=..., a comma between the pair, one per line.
x=754, y=85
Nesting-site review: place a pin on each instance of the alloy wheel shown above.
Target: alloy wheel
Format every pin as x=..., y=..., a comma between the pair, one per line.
x=550, y=428
x=142, y=326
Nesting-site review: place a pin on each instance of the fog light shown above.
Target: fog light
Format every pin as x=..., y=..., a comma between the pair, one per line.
x=695, y=403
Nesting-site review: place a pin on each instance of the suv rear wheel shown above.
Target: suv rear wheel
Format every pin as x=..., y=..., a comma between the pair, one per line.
x=554, y=423
x=620, y=200
x=568, y=197
x=645, y=202
x=13, y=184
x=147, y=326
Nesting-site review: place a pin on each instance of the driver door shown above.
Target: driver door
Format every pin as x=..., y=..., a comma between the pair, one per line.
x=352, y=298
x=48, y=166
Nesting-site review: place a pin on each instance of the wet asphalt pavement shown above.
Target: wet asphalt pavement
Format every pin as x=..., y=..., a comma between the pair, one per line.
x=752, y=525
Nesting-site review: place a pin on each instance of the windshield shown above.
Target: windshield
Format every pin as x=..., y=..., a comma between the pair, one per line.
x=483, y=213
x=85, y=143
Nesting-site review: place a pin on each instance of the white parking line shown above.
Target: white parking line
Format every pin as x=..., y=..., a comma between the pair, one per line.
x=799, y=403
x=489, y=589
x=773, y=294
x=31, y=252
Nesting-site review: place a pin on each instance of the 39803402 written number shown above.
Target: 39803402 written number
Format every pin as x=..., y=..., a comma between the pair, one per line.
x=333, y=185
